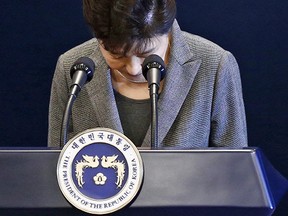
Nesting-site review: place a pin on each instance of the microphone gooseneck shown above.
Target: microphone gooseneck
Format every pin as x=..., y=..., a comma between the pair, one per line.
x=81, y=73
x=153, y=69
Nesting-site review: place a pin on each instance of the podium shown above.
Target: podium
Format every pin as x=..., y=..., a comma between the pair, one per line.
x=176, y=182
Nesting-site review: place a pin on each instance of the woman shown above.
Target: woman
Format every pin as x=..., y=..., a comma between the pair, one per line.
x=200, y=102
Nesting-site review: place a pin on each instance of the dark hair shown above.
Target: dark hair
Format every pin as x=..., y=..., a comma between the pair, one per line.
x=119, y=24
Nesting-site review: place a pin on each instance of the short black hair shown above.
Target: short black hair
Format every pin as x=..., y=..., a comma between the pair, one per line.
x=119, y=24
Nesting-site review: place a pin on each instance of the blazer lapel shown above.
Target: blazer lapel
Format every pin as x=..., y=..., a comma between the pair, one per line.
x=181, y=71
x=101, y=93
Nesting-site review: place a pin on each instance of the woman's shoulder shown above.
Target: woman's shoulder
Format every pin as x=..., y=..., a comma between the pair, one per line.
x=200, y=44
x=195, y=46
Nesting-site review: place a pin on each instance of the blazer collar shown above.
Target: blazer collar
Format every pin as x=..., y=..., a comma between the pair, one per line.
x=101, y=93
x=181, y=71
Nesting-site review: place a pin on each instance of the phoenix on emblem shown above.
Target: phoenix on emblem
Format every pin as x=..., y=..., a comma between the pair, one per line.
x=111, y=162
x=88, y=162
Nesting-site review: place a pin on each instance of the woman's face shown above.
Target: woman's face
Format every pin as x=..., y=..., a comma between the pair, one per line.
x=130, y=65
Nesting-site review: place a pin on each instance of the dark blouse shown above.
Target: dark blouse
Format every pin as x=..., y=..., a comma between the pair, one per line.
x=134, y=116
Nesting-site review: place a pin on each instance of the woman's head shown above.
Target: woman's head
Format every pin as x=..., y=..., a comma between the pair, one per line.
x=121, y=25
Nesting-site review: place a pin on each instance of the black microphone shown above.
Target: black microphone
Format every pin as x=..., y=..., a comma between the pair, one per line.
x=81, y=73
x=153, y=69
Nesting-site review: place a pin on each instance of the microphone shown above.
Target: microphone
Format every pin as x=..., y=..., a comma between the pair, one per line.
x=153, y=69
x=81, y=73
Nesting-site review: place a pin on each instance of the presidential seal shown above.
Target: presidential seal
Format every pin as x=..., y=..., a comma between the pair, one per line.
x=100, y=171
